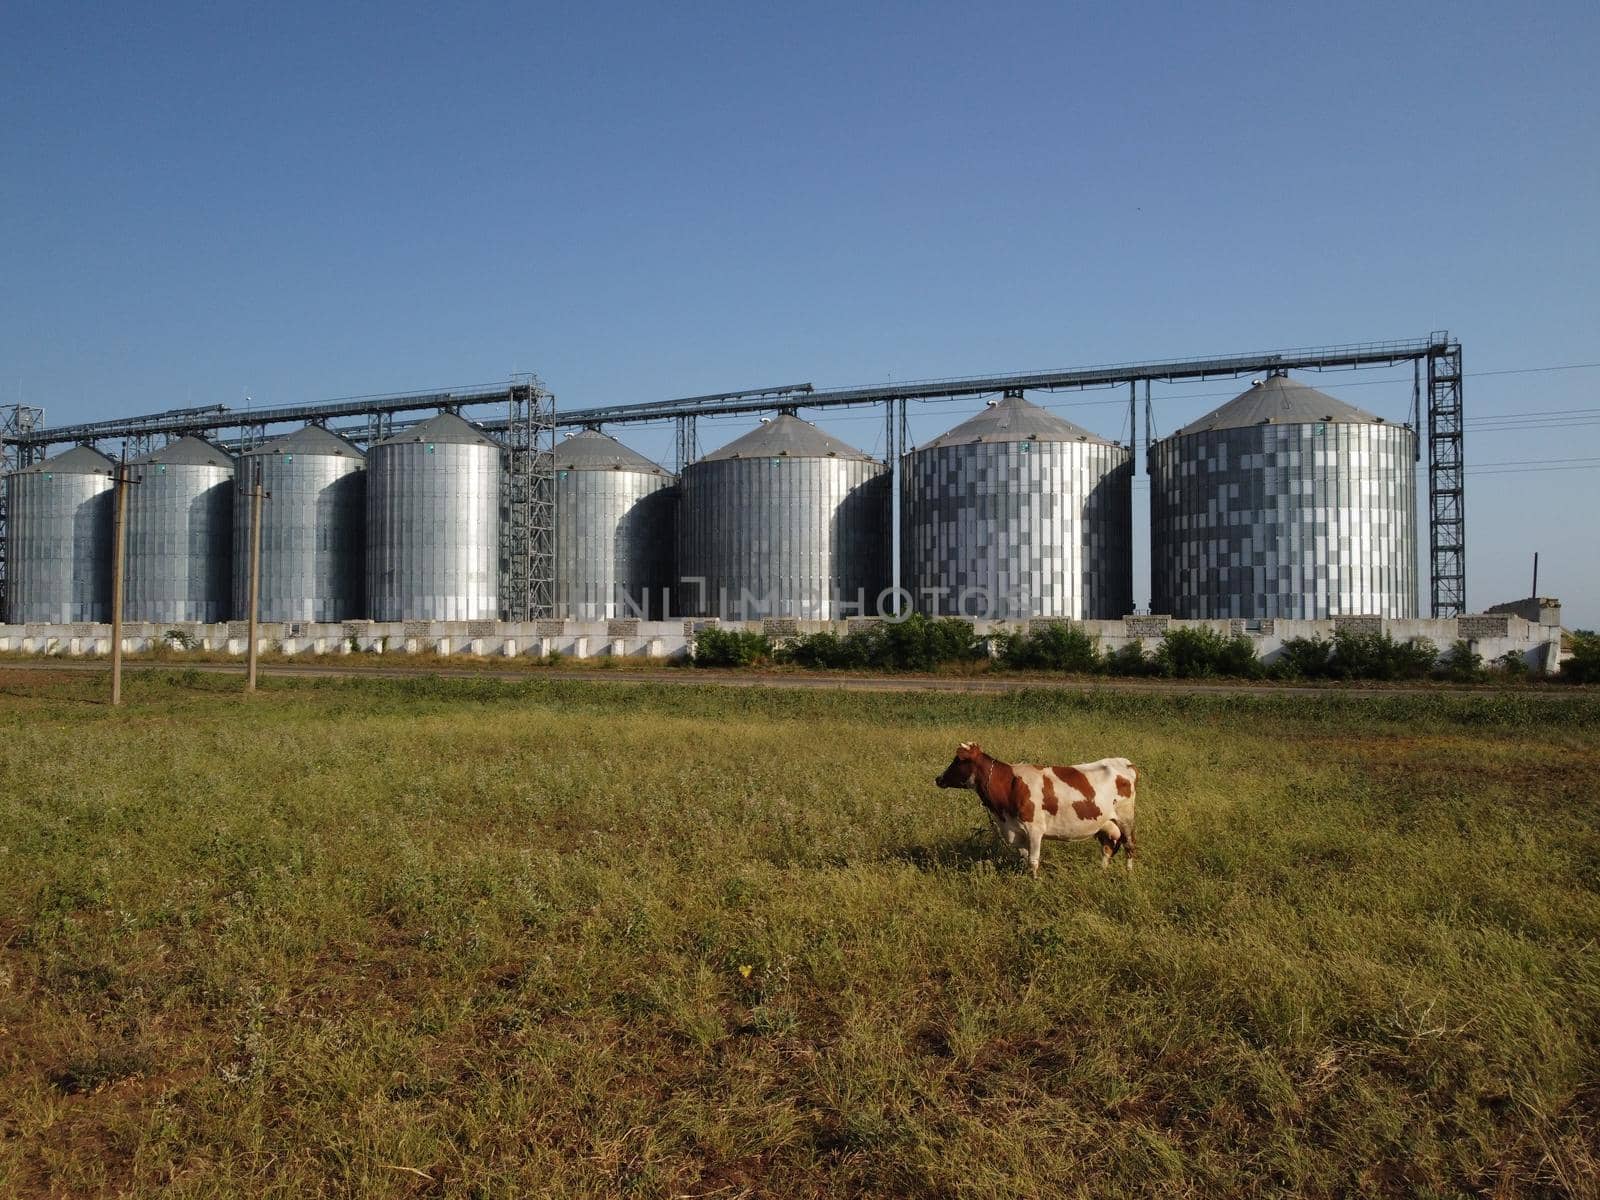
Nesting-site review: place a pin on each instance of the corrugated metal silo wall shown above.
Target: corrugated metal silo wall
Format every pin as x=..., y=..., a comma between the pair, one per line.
x=1019, y=529
x=180, y=543
x=783, y=537
x=58, y=547
x=1301, y=521
x=433, y=532
x=615, y=543
x=313, y=537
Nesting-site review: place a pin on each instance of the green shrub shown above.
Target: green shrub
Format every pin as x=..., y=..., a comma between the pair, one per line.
x=1462, y=664
x=714, y=647
x=1238, y=659
x=821, y=650
x=918, y=643
x=1126, y=660
x=1302, y=658
x=1584, y=665
x=1055, y=647
x=1415, y=659
x=1199, y=653
x=1378, y=656
x=1512, y=665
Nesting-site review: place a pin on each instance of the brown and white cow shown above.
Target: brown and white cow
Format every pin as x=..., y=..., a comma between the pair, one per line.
x=1027, y=804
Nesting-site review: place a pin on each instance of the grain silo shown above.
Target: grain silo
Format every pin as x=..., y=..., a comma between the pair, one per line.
x=1286, y=503
x=180, y=534
x=783, y=522
x=1018, y=513
x=616, y=514
x=313, y=528
x=59, y=519
x=433, y=523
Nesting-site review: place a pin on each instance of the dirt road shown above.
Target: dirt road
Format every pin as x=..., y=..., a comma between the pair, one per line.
x=789, y=679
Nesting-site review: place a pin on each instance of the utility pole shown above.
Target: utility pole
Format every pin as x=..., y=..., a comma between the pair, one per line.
x=255, y=571
x=119, y=555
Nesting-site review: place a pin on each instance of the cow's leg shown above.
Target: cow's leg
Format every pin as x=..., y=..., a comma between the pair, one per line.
x=1016, y=837
x=1035, y=843
x=1127, y=840
x=1010, y=832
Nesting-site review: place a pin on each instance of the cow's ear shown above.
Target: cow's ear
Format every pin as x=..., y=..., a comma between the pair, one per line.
x=975, y=748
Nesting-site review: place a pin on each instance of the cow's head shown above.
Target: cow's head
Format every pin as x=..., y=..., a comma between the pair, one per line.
x=963, y=768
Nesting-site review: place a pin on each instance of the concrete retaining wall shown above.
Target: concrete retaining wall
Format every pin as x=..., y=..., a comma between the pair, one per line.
x=1491, y=635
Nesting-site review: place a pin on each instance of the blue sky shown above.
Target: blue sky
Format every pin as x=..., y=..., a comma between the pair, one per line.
x=296, y=202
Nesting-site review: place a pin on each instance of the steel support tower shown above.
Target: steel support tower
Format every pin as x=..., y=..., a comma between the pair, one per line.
x=1447, y=519
x=685, y=442
x=16, y=422
x=895, y=445
x=529, y=590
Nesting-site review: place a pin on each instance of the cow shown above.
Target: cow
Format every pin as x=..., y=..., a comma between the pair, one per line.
x=1027, y=804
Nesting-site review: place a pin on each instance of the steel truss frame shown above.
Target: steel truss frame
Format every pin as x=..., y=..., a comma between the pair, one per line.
x=1447, y=516
x=17, y=421
x=529, y=543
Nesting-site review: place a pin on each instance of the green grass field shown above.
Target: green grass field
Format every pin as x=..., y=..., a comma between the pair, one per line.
x=484, y=938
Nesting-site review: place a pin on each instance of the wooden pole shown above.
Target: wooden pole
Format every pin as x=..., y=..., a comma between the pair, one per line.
x=119, y=555
x=255, y=573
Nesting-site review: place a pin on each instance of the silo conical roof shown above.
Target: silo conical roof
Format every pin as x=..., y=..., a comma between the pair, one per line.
x=1279, y=400
x=80, y=460
x=446, y=429
x=591, y=450
x=188, y=451
x=786, y=436
x=1014, y=419
x=313, y=439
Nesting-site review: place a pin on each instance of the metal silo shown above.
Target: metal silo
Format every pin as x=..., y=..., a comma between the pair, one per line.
x=616, y=512
x=180, y=534
x=313, y=528
x=433, y=523
x=59, y=519
x=785, y=522
x=1286, y=503
x=1018, y=513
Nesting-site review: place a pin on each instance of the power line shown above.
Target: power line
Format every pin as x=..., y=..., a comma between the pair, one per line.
x=1525, y=462
x=1531, y=470
x=1537, y=370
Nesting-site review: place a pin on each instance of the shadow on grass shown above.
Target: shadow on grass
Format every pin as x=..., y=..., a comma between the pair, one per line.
x=23, y=694
x=961, y=853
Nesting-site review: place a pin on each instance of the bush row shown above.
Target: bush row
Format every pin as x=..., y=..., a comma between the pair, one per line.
x=1584, y=665
x=918, y=643
x=921, y=643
